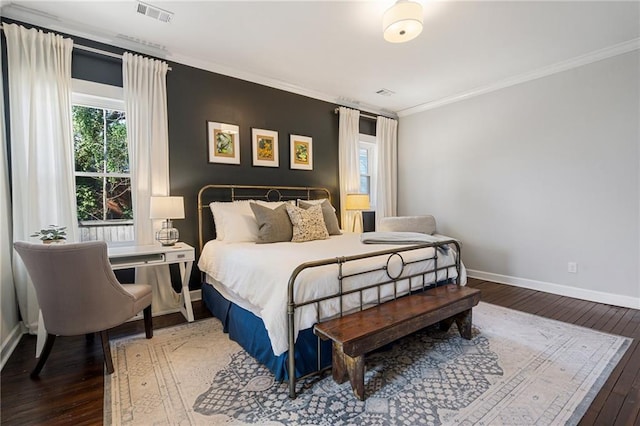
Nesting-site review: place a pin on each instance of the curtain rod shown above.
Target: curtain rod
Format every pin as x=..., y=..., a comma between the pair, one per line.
x=370, y=117
x=92, y=49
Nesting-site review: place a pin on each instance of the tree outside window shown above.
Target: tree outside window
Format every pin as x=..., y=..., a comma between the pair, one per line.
x=103, y=180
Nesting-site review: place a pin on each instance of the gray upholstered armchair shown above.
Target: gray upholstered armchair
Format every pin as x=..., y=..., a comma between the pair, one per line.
x=78, y=293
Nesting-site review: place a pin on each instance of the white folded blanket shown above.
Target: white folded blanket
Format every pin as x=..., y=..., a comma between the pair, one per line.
x=401, y=238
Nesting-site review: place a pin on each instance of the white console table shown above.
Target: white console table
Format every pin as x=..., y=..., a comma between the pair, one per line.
x=153, y=255
x=148, y=255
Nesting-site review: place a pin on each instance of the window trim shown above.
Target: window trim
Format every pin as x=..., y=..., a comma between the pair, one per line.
x=368, y=142
x=102, y=96
x=97, y=95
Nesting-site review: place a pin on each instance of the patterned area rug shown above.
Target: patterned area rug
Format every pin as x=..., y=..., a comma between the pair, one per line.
x=519, y=369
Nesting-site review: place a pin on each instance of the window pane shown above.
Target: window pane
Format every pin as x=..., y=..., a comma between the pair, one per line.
x=89, y=198
x=88, y=138
x=117, y=153
x=364, y=184
x=364, y=161
x=119, y=198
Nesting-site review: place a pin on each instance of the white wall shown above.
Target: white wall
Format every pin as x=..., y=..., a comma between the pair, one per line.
x=537, y=175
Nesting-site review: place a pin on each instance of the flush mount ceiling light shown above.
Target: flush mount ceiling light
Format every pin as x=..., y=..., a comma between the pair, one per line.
x=402, y=21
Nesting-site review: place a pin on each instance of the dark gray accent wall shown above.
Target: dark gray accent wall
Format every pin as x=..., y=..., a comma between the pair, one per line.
x=196, y=96
x=367, y=126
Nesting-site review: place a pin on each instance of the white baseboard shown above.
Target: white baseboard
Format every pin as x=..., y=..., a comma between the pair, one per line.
x=10, y=343
x=196, y=295
x=561, y=290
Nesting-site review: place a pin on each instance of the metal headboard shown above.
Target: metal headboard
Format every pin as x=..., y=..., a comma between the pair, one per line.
x=209, y=193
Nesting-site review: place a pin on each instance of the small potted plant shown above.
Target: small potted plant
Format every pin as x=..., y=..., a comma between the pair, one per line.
x=52, y=234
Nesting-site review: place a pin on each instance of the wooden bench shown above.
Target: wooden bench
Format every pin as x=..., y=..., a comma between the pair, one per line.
x=356, y=334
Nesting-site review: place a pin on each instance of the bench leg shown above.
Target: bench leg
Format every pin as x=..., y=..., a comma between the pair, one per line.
x=344, y=366
x=355, y=369
x=463, y=321
x=445, y=324
x=338, y=367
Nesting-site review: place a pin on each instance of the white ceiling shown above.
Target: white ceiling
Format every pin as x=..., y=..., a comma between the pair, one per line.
x=334, y=50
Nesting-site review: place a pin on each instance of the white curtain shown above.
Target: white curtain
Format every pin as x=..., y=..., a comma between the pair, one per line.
x=145, y=96
x=387, y=178
x=43, y=190
x=348, y=166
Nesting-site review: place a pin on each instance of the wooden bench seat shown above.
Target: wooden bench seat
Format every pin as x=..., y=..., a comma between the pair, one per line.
x=356, y=334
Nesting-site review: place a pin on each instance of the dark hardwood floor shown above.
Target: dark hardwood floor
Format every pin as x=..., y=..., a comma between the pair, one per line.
x=70, y=387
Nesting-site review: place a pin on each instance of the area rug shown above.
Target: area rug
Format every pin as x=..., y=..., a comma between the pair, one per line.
x=519, y=369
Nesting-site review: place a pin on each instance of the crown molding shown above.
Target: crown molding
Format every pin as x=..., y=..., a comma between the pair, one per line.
x=578, y=61
x=276, y=84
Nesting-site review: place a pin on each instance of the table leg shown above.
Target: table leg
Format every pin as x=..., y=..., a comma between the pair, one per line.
x=185, y=274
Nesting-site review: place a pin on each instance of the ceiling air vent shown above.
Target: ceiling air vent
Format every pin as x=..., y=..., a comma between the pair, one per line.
x=385, y=92
x=154, y=12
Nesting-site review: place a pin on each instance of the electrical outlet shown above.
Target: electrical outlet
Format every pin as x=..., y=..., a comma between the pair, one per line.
x=572, y=267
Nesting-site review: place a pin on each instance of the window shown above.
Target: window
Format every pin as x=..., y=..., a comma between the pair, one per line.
x=367, y=162
x=101, y=157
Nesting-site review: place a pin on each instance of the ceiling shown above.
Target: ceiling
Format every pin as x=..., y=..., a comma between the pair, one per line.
x=334, y=50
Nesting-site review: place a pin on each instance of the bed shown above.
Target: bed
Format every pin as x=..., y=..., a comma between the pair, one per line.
x=268, y=296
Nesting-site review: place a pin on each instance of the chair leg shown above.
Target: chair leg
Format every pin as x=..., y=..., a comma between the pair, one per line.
x=107, y=351
x=148, y=322
x=48, y=344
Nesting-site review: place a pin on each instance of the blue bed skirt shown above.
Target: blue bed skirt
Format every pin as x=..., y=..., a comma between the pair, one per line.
x=250, y=333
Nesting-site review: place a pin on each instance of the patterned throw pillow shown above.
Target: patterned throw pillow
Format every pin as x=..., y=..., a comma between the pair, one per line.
x=328, y=212
x=308, y=225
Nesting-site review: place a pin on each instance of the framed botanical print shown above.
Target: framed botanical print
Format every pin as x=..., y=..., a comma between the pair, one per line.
x=265, y=148
x=224, y=143
x=301, y=152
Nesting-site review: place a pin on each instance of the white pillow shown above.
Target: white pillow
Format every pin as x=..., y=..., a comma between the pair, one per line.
x=275, y=204
x=234, y=221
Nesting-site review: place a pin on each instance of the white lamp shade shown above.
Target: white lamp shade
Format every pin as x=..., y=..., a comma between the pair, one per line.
x=402, y=21
x=166, y=208
x=357, y=202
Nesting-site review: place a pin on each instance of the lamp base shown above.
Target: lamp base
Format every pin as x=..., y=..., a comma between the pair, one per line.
x=357, y=216
x=167, y=236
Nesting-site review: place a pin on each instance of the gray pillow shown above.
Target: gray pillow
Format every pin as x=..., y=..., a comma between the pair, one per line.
x=328, y=213
x=274, y=225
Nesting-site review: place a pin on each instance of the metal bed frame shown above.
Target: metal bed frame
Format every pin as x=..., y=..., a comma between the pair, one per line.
x=392, y=256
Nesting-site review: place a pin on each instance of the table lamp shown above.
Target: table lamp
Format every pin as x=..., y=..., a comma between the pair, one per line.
x=357, y=202
x=167, y=208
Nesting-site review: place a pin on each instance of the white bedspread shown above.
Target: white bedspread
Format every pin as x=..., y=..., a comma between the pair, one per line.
x=256, y=276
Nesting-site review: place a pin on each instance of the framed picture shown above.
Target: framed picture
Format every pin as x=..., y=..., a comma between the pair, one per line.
x=224, y=143
x=265, y=147
x=301, y=152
